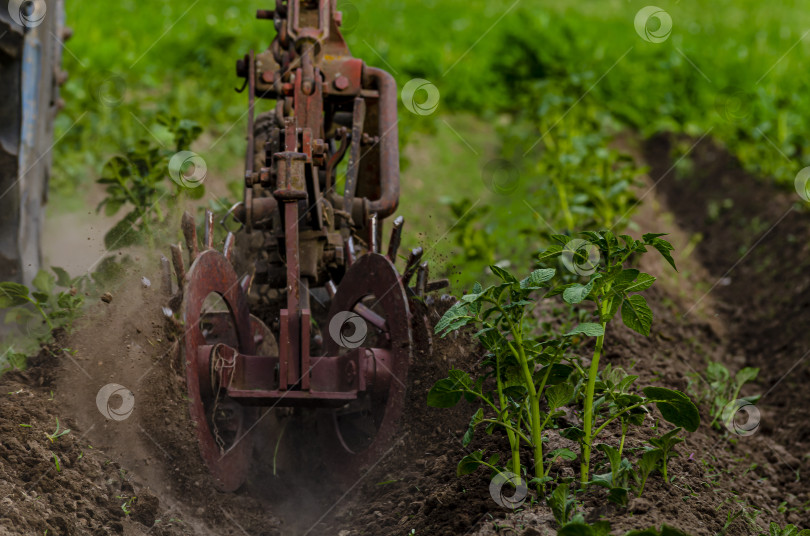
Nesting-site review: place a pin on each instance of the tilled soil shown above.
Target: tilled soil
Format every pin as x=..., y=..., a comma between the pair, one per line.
x=66, y=485
x=741, y=297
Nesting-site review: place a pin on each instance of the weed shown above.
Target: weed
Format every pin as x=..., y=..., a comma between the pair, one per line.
x=56, y=433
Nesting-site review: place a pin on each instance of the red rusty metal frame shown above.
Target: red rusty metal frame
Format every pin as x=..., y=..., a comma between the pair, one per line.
x=309, y=69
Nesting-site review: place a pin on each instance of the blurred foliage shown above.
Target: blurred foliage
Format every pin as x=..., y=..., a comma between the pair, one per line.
x=137, y=181
x=571, y=75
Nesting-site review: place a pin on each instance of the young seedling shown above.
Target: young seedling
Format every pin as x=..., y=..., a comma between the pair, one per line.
x=666, y=443
x=56, y=434
x=528, y=378
x=562, y=503
x=612, y=288
x=521, y=371
x=789, y=530
x=721, y=389
x=56, y=463
x=618, y=480
x=127, y=505
x=646, y=465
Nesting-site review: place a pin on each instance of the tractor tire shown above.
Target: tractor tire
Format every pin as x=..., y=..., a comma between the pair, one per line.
x=31, y=43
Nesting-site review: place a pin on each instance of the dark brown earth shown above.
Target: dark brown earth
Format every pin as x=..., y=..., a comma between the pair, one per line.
x=741, y=297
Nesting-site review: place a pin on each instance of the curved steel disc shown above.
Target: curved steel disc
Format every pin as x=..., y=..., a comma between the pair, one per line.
x=211, y=273
x=374, y=281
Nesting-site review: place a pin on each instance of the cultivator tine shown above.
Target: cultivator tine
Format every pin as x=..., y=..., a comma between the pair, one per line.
x=166, y=275
x=373, y=224
x=208, y=237
x=439, y=284
x=190, y=233
x=227, y=250
x=421, y=279
x=350, y=251
x=396, y=238
x=245, y=283
x=413, y=264
x=179, y=268
x=371, y=317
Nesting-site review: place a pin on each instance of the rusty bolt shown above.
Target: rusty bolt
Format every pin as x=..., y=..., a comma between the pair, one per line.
x=265, y=175
x=318, y=147
x=351, y=372
x=341, y=83
x=267, y=77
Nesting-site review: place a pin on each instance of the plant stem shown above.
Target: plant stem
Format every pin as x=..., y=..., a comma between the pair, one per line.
x=514, y=442
x=588, y=417
x=624, y=435
x=42, y=312
x=534, y=403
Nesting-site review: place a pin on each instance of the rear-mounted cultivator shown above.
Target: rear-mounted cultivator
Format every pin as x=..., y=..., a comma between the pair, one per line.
x=332, y=323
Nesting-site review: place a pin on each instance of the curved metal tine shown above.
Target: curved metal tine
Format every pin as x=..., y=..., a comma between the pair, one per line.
x=208, y=237
x=179, y=268
x=421, y=279
x=166, y=276
x=190, y=234
x=370, y=316
x=373, y=242
x=396, y=239
x=413, y=263
x=227, y=250
x=246, y=283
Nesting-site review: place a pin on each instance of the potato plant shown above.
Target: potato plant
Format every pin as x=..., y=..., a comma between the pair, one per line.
x=526, y=378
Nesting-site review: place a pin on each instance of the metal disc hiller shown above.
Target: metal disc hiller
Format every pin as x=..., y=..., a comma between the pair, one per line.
x=332, y=325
